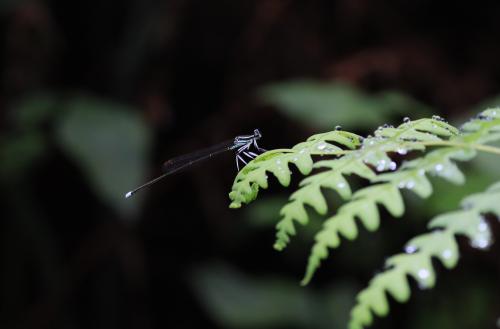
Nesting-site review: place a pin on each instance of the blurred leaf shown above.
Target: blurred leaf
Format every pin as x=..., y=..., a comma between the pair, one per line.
x=484, y=171
x=324, y=105
x=445, y=195
x=34, y=110
x=236, y=301
x=487, y=164
x=19, y=153
x=111, y=144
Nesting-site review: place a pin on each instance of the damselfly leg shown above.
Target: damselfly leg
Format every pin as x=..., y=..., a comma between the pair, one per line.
x=244, y=152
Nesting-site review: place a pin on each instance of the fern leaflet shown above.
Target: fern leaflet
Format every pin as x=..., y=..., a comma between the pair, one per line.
x=416, y=261
x=412, y=176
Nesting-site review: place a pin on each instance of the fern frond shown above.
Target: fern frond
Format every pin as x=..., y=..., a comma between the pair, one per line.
x=254, y=175
x=412, y=176
x=416, y=262
x=372, y=154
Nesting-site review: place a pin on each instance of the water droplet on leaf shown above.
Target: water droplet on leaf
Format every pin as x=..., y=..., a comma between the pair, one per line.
x=410, y=249
x=423, y=273
x=321, y=146
x=447, y=254
x=482, y=226
x=381, y=165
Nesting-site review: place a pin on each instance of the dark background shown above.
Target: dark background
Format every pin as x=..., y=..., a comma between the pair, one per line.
x=95, y=95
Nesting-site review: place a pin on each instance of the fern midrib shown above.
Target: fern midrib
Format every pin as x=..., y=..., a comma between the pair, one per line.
x=478, y=147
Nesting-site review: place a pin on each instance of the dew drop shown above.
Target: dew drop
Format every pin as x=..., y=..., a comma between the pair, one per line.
x=393, y=165
x=402, y=151
x=278, y=162
x=481, y=243
x=321, y=146
x=439, y=167
x=406, y=120
x=410, y=184
x=447, y=254
x=381, y=165
x=410, y=249
x=482, y=226
x=484, y=117
x=338, y=127
x=423, y=273
x=483, y=238
x=436, y=117
x=341, y=185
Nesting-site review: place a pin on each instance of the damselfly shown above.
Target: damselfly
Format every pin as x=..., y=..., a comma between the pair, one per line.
x=241, y=145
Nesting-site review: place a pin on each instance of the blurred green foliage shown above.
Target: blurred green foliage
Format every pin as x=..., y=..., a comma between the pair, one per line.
x=109, y=142
x=324, y=105
x=18, y=154
x=111, y=145
x=237, y=301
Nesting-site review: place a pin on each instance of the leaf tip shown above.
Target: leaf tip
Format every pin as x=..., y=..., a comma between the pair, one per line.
x=235, y=205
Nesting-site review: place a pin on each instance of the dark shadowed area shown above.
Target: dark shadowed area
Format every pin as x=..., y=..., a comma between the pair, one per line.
x=95, y=95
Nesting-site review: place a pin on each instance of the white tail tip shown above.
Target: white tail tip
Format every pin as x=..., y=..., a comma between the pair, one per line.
x=128, y=195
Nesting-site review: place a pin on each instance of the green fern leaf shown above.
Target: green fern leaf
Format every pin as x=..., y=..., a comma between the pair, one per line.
x=372, y=153
x=441, y=146
x=254, y=175
x=410, y=176
x=416, y=262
